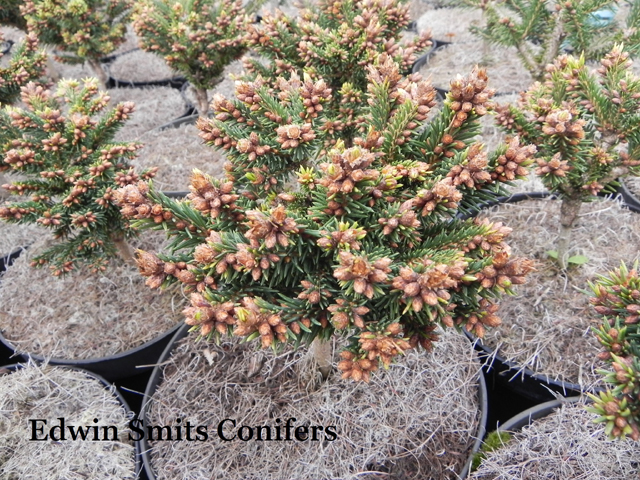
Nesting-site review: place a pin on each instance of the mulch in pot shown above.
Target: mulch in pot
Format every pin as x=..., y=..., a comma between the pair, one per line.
x=547, y=324
x=565, y=444
x=83, y=315
x=49, y=393
x=416, y=420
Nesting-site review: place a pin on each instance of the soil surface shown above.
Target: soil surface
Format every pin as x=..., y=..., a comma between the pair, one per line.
x=547, y=324
x=49, y=394
x=84, y=315
x=415, y=421
x=565, y=444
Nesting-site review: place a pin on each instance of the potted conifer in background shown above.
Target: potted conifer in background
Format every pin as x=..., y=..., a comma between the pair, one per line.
x=27, y=64
x=335, y=41
x=366, y=246
x=584, y=124
x=539, y=30
x=83, y=30
x=568, y=438
x=61, y=143
x=196, y=38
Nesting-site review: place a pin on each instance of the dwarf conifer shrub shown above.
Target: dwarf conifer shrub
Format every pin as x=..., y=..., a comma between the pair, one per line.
x=540, y=29
x=82, y=30
x=616, y=297
x=585, y=127
x=27, y=64
x=10, y=14
x=298, y=243
x=336, y=42
x=62, y=143
x=197, y=38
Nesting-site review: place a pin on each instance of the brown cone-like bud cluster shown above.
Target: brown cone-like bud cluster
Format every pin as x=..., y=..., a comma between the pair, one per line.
x=344, y=313
x=505, y=271
x=492, y=240
x=314, y=95
x=473, y=171
x=134, y=203
x=250, y=318
x=312, y=293
x=342, y=239
x=556, y=166
x=152, y=267
x=218, y=317
x=511, y=165
x=363, y=273
x=358, y=369
x=347, y=169
x=431, y=286
x=484, y=317
x=470, y=95
x=209, y=198
x=386, y=345
x=405, y=217
x=291, y=136
x=272, y=230
x=251, y=147
x=560, y=122
x=442, y=193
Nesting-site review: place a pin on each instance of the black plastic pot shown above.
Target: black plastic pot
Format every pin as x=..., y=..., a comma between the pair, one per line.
x=174, y=82
x=5, y=46
x=7, y=260
x=116, y=392
x=529, y=385
x=525, y=418
x=156, y=378
x=114, y=367
x=629, y=198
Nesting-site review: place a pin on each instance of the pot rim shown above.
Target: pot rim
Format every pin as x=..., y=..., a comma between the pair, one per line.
x=113, y=389
x=156, y=377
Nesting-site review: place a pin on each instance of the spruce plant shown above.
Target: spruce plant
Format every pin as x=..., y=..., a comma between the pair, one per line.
x=83, y=30
x=198, y=38
x=585, y=125
x=10, y=14
x=62, y=145
x=298, y=243
x=27, y=64
x=336, y=42
x=616, y=297
x=540, y=30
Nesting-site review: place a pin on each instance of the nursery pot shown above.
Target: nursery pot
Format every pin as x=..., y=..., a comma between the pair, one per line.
x=157, y=376
x=533, y=387
x=113, y=367
x=138, y=463
x=525, y=418
x=629, y=198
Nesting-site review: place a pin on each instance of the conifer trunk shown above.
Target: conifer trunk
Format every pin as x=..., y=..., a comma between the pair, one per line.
x=124, y=251
x=569, y=211
x=321, y=350
x=99, y=71
x=203, y=101
x=4, y=193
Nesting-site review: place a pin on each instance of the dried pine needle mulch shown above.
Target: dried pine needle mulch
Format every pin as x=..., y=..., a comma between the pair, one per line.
x=84, y=315
x=15, y=236
x=415, y=421
x=49, y=393
x=633, y=185
x=140, y=66
x=547, y=324
x=564, y=445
